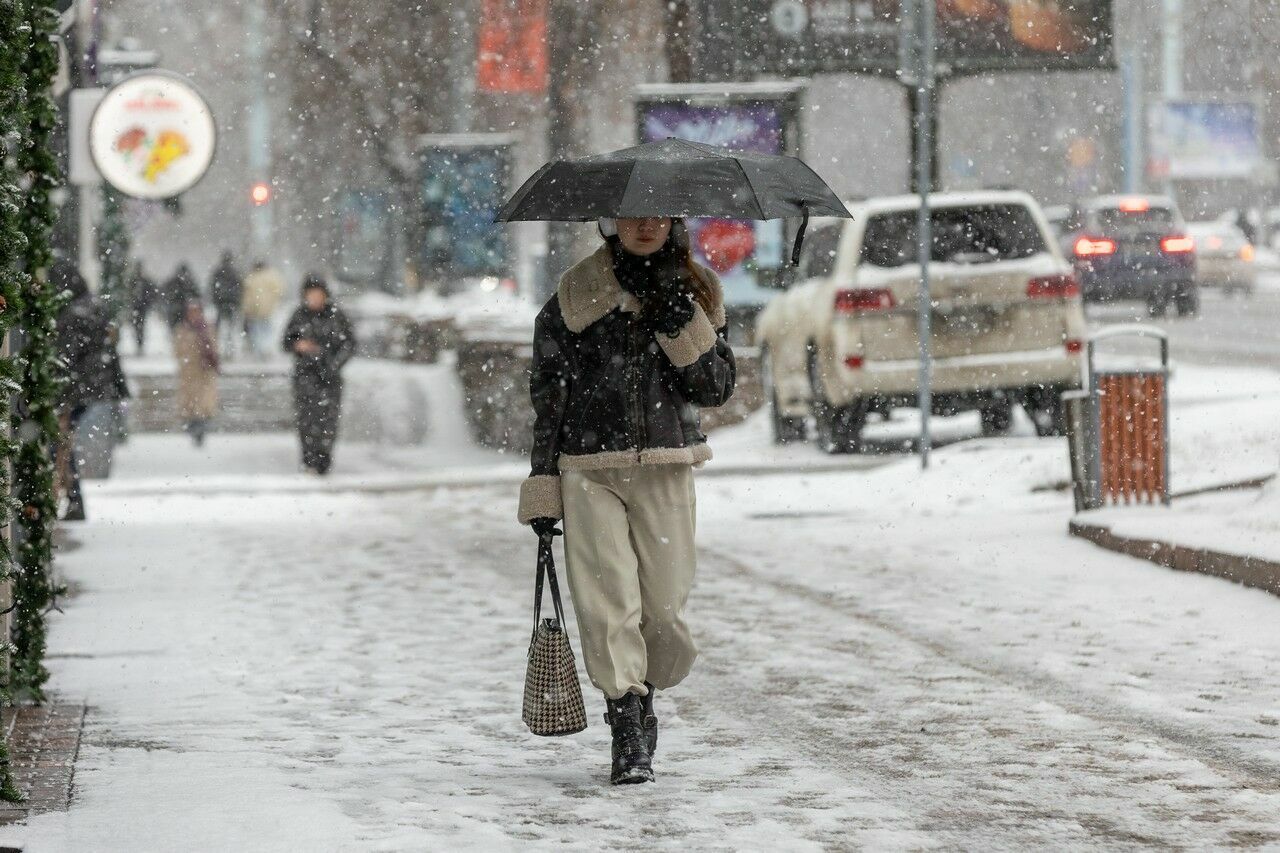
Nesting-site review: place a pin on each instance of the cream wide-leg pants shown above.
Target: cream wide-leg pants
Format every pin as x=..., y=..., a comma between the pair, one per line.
x=629, y=547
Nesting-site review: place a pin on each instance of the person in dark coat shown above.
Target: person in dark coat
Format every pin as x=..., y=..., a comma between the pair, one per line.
x=226, y=289
x=179, y=291
x=87, y=346
x=143, y=295
x=320, y=338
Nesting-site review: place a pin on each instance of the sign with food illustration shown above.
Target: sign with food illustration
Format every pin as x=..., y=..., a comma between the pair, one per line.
x=152, y=136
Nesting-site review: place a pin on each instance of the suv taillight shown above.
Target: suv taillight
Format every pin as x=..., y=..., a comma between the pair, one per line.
x=1088, y=247
x=863, y=300
x=1053, y=287
x=1177, y=245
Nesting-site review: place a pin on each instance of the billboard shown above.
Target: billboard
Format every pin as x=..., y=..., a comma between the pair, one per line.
x=1204, y=139
x=464, y=181
x=512, y=45
x=747, y=255
x=803, y=37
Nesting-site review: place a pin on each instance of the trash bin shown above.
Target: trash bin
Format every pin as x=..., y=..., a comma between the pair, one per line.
x=1118, y=428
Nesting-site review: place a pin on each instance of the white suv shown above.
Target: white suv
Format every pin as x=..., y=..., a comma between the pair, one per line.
x=1008, y=326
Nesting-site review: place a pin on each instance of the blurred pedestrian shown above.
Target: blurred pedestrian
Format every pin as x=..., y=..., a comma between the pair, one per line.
x=263, y=290
x=87, y=346
x=143, y=295
x=226, y=289
x=632, y=344
x=197, y=355
x=180, y=290
x=320, y=338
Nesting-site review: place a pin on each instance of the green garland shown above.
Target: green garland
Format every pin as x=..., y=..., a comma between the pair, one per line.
x=113, y=248
x=28, y=61
x=37, y=428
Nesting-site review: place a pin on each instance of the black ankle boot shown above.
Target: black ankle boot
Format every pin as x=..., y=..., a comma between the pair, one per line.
x=650, y=722
x=631, y=762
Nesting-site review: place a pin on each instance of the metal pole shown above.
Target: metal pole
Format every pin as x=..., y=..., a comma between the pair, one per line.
x=1132, y=77
x=924, y=177
x=259, y=127
x=562, y=23
x=1171, y=34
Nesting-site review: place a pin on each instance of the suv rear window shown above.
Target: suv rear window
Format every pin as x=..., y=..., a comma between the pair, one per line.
x=973, y=235
x=818, y=259
x=1115, y=219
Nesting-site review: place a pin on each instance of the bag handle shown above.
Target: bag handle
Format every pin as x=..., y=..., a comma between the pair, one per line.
x=547, y=567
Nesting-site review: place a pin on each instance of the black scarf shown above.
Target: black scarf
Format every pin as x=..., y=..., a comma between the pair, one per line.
x=645, y=276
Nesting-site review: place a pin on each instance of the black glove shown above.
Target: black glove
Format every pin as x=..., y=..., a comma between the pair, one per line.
x=668, y=311
x=545, y=527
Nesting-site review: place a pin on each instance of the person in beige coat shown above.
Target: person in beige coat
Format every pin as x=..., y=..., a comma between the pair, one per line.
x=197, y=355
x=263, y=290
x=624, y=354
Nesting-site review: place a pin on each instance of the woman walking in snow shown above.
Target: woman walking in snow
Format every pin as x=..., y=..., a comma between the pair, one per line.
x=197, y=355
x=633, y=342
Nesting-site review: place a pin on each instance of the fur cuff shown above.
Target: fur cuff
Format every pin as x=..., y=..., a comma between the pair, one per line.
x=697, y=337
x=540, y=498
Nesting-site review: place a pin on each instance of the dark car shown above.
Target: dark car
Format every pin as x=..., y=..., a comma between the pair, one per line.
x=1133, y=247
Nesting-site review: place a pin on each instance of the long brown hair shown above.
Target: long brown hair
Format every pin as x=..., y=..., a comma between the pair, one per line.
x=703, y=290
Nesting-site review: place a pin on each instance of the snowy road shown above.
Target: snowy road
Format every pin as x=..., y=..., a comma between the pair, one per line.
x=881, y=669
x=1229, y=331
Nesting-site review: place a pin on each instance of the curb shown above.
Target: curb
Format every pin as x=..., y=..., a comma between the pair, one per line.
x=1247, y=571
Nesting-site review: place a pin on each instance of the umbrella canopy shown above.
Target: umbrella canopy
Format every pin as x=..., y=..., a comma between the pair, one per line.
x=673, y=177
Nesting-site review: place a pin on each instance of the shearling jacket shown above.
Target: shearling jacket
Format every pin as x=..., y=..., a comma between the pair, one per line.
x=609, y=393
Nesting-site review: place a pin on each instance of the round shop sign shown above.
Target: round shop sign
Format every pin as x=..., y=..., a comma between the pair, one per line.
x=152, y=136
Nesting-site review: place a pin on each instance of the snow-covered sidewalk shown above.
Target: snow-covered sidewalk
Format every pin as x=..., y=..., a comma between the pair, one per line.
x=890, y=659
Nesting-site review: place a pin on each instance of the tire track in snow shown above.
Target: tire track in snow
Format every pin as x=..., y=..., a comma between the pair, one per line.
x=857, y=732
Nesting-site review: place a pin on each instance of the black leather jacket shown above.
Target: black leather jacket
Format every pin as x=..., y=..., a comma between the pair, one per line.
x=609, y=393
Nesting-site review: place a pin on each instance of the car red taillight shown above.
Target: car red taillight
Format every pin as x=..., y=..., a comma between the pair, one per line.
x=1088, y=247
x=1053, y=287
x=1177, y=245
x=1074, y=346
x=853, y=362
x=864, y=300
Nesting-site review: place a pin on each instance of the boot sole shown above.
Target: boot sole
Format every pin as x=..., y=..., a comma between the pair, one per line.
x=635, y=776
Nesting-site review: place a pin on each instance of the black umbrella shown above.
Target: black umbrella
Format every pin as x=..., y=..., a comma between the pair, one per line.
x=674, y=177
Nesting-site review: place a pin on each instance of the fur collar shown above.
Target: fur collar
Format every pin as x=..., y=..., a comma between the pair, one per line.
x=590, y=290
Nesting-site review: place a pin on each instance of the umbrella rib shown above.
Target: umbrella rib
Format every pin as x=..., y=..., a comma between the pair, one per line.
x=626, y=188
x=751, y=186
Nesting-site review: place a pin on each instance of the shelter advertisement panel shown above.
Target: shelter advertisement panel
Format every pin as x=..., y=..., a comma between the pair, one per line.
x=803, y=37
x=363, y=247
x=747, y=255
x=464, y=183
x=1204, y=139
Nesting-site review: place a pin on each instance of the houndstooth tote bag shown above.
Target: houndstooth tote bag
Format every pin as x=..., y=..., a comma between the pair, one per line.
x=552, y=696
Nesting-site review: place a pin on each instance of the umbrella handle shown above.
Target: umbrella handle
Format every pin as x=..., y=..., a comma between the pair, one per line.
x=795, y=250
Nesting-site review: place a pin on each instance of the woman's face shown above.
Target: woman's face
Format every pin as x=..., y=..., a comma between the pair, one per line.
x=644, y=236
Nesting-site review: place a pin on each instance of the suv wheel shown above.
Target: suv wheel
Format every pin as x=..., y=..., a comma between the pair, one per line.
x=785, y=429
x=1045, y=408
x=838, y=428
x=997, y=417
x=1188, y=302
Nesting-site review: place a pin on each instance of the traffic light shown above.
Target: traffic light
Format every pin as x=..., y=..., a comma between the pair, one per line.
x=261, y=193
